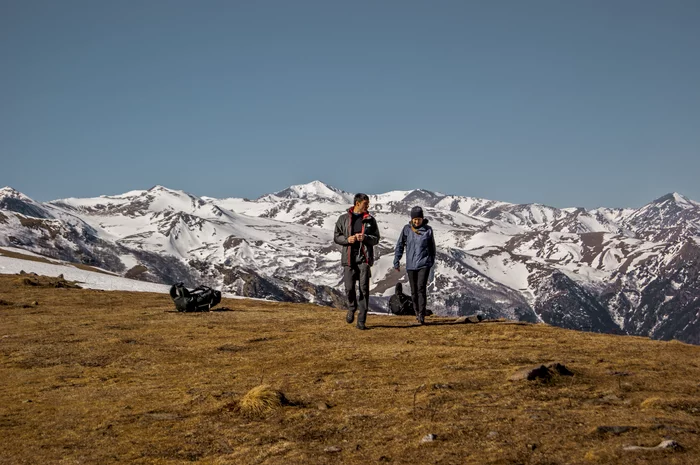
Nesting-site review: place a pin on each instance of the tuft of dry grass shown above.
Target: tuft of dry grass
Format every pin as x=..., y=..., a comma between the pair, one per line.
x=651, y=402
x=90, y=376
x=260, y=400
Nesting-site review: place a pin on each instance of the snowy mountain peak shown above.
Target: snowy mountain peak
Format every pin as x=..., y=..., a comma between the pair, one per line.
x=670, y=216
x=157, y=199
x=391, y=196
x=15, y=201
x=315, y=190
x=125, y=195
x=674, y=198
x=683, y=201
x=166, y=190
x=160, y=198
x=424, y=197
x=8, y=191
x=673, y=202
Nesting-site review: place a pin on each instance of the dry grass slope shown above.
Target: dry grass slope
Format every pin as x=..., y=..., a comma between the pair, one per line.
x=90, y=376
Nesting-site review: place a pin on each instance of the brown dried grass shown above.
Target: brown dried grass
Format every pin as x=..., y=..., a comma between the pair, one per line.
x=261, y=400
x=103, y=377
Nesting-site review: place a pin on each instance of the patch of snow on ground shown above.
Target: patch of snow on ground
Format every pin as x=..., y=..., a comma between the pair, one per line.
x=87, y=279
x=129, y=261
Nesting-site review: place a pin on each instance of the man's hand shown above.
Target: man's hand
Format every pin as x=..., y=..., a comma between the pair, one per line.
x=351, y=239
x=398, y=268
x=360, y=237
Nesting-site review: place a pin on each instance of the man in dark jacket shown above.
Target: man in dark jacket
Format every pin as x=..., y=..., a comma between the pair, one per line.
x=418, y=240
x=400, y=303
x=358, y=233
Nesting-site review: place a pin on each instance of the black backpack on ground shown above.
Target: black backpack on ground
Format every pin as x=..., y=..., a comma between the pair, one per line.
x=401, y=304
x=201, y=299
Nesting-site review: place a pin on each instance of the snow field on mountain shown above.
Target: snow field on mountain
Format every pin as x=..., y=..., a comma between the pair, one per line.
x=86, y=279
x=490, y=254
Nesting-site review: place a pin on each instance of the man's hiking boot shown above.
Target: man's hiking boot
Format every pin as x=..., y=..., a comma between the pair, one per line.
x=421, y=319
x=350, y=316
x=361, y=326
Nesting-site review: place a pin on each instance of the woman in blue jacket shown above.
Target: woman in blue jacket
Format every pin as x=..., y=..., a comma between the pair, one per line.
x=418, y=240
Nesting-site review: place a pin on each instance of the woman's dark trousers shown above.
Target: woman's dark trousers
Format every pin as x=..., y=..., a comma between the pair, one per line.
x=419, y=285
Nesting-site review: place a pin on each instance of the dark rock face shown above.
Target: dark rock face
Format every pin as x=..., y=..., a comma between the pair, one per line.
x=614, y=429
x=474, y=293
x=17, y=205
x=323, y=295
x=543, y=372
x=233, y=241
x=248, y=283
x=564, y=303
x=670, y=304
x=167, y=269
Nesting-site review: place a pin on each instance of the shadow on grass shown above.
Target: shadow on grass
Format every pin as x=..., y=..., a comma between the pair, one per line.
x=416, y=325
x=220, y=309
x=370, y=327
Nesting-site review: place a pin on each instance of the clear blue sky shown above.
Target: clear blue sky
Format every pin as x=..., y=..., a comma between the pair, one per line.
x=567, y=103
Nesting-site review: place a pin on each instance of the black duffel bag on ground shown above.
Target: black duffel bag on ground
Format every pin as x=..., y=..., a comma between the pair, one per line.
x=200, y=299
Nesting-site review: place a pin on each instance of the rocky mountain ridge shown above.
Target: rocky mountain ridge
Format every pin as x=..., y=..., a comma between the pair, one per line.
x=631, y=271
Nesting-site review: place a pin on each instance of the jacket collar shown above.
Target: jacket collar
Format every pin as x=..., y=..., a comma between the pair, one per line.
x=365, y=215
x=420, y=228
x=423, y=224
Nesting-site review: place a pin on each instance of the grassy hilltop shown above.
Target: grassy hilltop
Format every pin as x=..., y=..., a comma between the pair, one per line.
x=103, y=377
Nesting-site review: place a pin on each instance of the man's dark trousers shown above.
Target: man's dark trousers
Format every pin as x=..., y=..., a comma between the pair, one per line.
x=419, y=285
x=357, y=272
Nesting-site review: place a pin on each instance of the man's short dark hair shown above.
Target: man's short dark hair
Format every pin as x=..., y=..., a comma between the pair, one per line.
x=361, y=198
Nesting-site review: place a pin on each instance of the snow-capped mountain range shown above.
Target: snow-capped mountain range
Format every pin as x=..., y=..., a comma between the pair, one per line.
x=632, y=271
